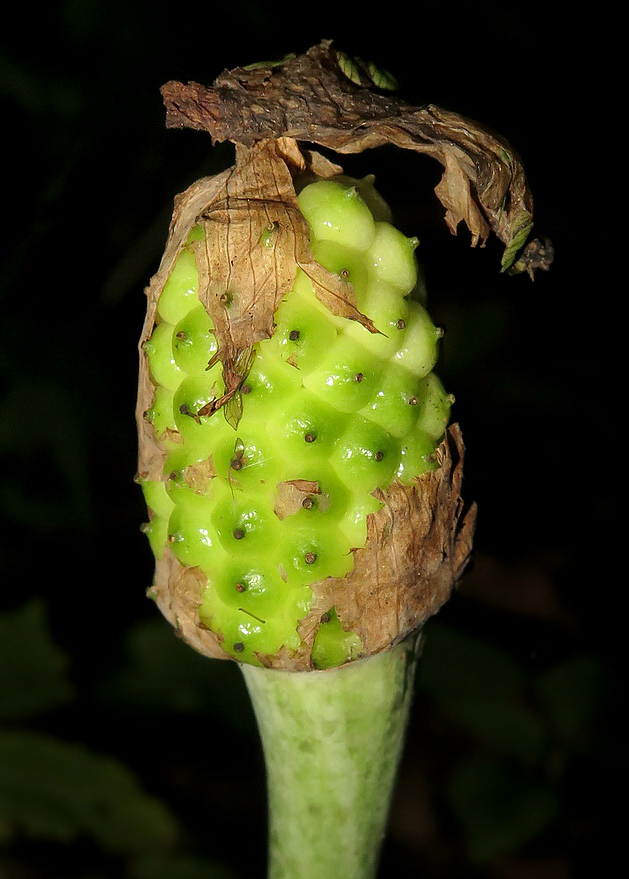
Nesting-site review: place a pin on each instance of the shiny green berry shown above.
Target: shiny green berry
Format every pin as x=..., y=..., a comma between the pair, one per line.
x=164, y=369
x=180, y=293
x=193, y=341
x=336, y=212
x=334, y=646
x=391, y=258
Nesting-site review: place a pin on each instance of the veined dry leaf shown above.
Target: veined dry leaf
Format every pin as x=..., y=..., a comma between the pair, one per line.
x=310, y=98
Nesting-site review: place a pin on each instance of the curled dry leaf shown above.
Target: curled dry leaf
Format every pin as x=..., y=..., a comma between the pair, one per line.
x=311, y=99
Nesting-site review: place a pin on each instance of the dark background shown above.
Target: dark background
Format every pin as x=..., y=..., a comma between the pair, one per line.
x=124, y=754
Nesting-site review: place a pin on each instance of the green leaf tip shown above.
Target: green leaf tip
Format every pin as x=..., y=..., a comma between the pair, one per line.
x=521, y=230
x=361, y=73
x=270, y=64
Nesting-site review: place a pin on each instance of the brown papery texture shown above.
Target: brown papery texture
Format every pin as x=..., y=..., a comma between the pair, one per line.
x=310, y=99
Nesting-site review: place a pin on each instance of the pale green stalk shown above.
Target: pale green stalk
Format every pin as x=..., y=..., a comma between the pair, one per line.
x=332, y=742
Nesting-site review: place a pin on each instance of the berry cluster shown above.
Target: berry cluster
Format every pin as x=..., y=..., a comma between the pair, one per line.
x=330, y=412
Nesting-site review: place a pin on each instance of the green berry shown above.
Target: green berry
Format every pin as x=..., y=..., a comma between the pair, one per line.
x=366, y=455
x=192, y=536
x=345, y=262
x=269, y=382
x=180, y=292
x=161, y=414
x=245, y=525
x=255, y=587
x=347, y=376
x=395, y=405
x=389, y=311
x=157, y=533
x=192, y=397
x=337, y=213
x=248, y=462
x=302, y=332
x=334, y=646
x=164, y=369
x=435, y=405
x=193, y=341
x=306, y=429
x=416, y=456
x=419, y=345
x=380, y=210
x=354, y=522
x=391, y=258
x=157, y=498
x=314, y=553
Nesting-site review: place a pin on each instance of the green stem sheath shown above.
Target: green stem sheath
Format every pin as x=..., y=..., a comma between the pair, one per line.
x=332, y=743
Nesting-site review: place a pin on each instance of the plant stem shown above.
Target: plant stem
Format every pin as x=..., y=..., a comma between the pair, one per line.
x=332, y=742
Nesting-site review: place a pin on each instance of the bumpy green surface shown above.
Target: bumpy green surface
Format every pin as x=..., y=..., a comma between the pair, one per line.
x=325, y=400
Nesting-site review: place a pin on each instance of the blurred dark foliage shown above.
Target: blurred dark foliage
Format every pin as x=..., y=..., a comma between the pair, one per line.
x=123, y=753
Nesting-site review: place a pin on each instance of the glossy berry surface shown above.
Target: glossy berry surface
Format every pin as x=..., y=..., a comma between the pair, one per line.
x=330, y=412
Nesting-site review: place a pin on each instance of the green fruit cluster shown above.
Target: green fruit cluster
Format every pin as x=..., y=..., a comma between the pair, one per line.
x=330, y=412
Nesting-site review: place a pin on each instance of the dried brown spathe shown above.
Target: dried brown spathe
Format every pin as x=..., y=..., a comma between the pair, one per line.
x=308, y=98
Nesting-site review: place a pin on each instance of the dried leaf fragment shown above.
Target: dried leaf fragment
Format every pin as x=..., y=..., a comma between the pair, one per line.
x=325, y=98
x=243, y=274
x=292, y=494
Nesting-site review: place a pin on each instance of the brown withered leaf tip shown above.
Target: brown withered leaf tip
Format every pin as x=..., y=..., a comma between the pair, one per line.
x=310, y=99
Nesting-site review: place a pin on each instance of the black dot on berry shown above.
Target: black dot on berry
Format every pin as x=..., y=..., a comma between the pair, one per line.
x=344, y=273
x=238, y=533
x=245, y=389
x=358, y=377
x=379, y=456
x=236, y=464
x=310, y=558
x=239, y=647
x=307, y=503
x=325, y=618
x=239, y=587
x=181, y=335
x=401, y=324
x=184, y=409
x=293, y=335
x=412, y=401
x=310, y=437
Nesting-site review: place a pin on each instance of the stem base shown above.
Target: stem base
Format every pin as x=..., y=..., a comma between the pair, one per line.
x=332, y=743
